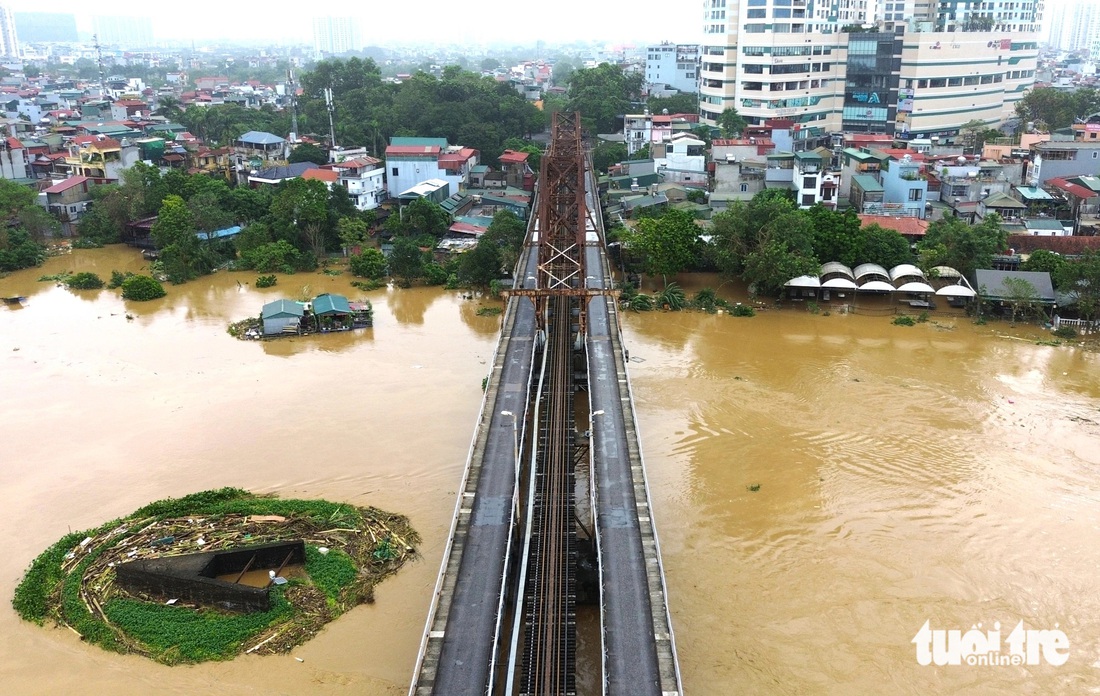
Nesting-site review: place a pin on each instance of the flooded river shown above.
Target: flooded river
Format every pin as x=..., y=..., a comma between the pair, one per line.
x=905, y=474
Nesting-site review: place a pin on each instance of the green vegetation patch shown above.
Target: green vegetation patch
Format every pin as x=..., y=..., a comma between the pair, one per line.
x=84, y=281
x=348, y=551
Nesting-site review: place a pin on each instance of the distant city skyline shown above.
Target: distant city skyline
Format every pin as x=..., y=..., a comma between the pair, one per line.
x=434, y=21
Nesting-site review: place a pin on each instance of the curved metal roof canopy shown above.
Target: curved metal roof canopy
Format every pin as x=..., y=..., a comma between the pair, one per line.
x=956, y=291
x=917, y=287
x=876, y=286
x=866, y=269
x=836, y=267
x=839, y=284
x=905, y=270
x=806, y=281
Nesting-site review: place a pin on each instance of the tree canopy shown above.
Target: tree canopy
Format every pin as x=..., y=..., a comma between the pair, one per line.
x=1055, y=108
x=461, y=106
x=666, y=244
x=731, y=123
x=602, y=95
x=18, y=211
x=952, y=242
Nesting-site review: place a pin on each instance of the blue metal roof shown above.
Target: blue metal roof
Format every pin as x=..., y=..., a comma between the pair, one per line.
x=282, y=308
x=261, y=138
x=219, y=234
x=330, y=304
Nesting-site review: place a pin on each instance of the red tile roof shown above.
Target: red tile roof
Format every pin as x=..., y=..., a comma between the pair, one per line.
x=1075, y=190
x=358, y=163
x=906, y=226
x=321, y=175
x=67, y=184
x=467, y=228
x=898, y=153
x=455, y=160
x=407, y=150
x=513, y=157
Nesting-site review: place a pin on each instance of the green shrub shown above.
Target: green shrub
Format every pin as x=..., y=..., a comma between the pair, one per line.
x=118, y=278
x=434, y=274
x=279, y=256
x=84, y=281
x=742, y=310
x=368, y=284
x=922, y=317
x=141, y=288
x=488, y=311
x=672, y=298
x=371, y=263
x=813, y=307
x=87, y=243
x=1065, y=332
x=266, y=281
x=641, y=302
x=706, y=300
x=905, y=320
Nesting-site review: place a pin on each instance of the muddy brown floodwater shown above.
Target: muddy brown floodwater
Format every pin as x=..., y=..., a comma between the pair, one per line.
x=943, y=473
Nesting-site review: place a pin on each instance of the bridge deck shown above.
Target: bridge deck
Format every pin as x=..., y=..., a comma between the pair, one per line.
x=462, y=639
x=639, y=651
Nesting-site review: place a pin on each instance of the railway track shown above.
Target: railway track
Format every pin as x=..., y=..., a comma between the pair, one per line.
x=550, y=631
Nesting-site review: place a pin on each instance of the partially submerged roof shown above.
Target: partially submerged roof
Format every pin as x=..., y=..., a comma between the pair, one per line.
x=991, y=284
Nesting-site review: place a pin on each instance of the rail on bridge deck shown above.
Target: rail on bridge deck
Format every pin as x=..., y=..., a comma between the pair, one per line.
x=639, y=652
x=463, y=634
x=462, y=651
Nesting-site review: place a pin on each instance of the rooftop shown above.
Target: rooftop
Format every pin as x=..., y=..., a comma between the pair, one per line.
x=906, y=226
x=67, y=184
x=260, y=138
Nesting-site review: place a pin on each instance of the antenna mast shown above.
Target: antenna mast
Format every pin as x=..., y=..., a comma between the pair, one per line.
x=99, y=62
x=292, y=88
x=331, y=110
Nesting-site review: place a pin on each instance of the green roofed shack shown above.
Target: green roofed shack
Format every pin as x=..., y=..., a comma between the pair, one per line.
x=332, y=312
x=281, y=316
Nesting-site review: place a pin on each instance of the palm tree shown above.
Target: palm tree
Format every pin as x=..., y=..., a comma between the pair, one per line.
x=168, y=107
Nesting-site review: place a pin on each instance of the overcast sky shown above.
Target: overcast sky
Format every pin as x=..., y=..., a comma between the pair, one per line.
x=385, y=22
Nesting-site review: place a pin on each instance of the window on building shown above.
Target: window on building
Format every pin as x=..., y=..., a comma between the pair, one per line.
x=916, y=194
x=394, y=172
x=809, y=182
x=744, y=188
x=808, y=199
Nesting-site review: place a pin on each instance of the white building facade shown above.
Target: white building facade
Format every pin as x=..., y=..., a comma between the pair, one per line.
x=675, y=65
x=939, y=66
x=9, y=42
x=335, y=35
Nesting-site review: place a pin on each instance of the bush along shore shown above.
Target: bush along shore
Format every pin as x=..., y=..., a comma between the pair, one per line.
x=348, y=551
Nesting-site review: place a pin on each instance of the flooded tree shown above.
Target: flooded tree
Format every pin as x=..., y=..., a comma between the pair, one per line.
x=1020, y=295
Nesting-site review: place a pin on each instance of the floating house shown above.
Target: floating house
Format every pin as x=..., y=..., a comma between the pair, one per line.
x=331, y=313
x=282, y=317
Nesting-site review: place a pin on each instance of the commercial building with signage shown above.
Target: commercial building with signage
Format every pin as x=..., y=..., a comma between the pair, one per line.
x=831, y=67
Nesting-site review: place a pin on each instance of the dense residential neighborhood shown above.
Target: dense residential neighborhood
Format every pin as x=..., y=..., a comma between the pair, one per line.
x=882, y=130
